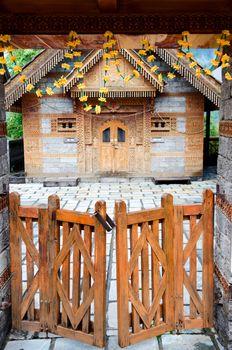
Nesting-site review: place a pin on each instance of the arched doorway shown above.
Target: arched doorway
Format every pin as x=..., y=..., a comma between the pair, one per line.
x=113, y=155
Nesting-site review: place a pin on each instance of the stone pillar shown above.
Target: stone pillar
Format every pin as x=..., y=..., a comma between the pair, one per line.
x=223, y=232
x=4, y=225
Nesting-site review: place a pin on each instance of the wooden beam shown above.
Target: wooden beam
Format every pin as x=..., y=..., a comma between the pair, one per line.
x=107, y=5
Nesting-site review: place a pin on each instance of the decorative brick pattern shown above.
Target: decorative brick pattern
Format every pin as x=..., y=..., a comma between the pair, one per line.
x=224, y=205
x=4, y=276
x=225, y=128
x=224, y=283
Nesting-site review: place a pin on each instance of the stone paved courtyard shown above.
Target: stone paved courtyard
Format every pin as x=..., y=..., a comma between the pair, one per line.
x=138, y=195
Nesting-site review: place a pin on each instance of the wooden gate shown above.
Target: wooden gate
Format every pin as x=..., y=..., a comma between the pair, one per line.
x=58, y=262
x=158, y=280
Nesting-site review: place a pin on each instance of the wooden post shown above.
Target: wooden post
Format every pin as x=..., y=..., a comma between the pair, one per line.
x=208, y=224
x=53, y=250
x=168, y=247
x=16, y=261
x=178, y=263
x=43, y=268
x=122, y=273
x=100, y=278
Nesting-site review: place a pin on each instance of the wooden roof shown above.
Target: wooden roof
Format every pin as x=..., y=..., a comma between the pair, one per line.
x=120, y=16
x=207, y=85
x=48, y=59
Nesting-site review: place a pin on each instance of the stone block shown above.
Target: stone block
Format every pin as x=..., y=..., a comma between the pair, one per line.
x=68, y=344
x=3, y=146
x=4, y=166
x=170, y=144
x=57, y=145
x=56, y=105
x=45, y=125
x=60, y=166
x=143, y=345
x=33, y=344
x=170, y=104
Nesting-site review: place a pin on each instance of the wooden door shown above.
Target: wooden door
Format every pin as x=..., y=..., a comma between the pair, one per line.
x=113, y=147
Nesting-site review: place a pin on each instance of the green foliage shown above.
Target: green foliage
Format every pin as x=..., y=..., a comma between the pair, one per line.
x=214, y=123
x=14, y=125
x=23, y=57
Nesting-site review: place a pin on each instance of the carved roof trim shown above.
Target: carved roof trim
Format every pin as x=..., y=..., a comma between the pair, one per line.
x=206, y=84
x=35, y=70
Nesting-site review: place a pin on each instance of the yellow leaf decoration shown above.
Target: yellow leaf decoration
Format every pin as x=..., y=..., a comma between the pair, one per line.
x=23, y=79
x=39, y=93
x=49, y=91
x=136, y=73
x=154, y=69
x=87, y=108
x=83, y=98
x=2, y=71
x=98, y=109
x=66, y=66
x=171, y=75
x=30, y=87
x=215, y=63
x=81, y=86
x=102, y=99
x=228, y=76
x=151, y=58
x=17, y=69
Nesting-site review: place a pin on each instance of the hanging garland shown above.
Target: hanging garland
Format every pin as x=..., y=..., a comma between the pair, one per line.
x=111, y=58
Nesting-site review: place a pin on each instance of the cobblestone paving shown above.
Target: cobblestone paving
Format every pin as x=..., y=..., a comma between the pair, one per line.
x=137, y=195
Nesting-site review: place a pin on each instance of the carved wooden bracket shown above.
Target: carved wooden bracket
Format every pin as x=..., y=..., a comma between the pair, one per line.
x=225, y=128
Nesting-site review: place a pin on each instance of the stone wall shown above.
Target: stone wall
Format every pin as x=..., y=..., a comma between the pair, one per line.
x=4, y=227
x=223, y=233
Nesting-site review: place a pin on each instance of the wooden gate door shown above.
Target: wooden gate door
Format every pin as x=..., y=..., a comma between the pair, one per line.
x=58, y=263
x=158, y=252
x=114, y=147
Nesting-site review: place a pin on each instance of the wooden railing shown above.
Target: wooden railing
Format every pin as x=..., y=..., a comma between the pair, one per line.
x=62, y=289
x=153, y=254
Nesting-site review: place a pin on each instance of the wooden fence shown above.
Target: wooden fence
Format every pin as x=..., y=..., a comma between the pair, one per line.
x=161, y=265
x=58, y=262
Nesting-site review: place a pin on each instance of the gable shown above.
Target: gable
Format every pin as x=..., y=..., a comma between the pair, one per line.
x=136, y=87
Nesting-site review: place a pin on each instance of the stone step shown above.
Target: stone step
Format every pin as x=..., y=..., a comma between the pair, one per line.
x=60, y=182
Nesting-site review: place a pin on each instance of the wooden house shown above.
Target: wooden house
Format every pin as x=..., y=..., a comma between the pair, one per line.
x=146, y=129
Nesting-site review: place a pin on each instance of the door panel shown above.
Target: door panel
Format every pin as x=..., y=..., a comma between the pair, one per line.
x=113, y=147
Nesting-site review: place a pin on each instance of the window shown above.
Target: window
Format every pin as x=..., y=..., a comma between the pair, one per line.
x=106, y=135
x=66, y=124
x=160, y=124
x=121, y=135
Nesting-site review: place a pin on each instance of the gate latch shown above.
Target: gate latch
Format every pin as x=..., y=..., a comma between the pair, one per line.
x=108, y=224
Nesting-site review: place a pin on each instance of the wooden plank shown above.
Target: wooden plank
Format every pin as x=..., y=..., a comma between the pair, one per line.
x=30, y=326
x=28, y=242
x=145, y=273
x=191, y=209
x=156, y=302
x=28, y=212
x=168, y=247
x=135, y=279
x=207, y=292
x=66, y=273
x=29, y=295
x=100, y=278
x=155, y=273
x=136, y=251
x=141, y=216
x=30, y=268
x=86, y=278
x=53, y=250
x=75, y=335
x=75, y=217
x=138, y=306
x=193, y=267
x=193, y=294
x=122, y=273
x=43, y=268
x=196, y=233
x=76, y=276
x=148, y=333
x=179, y=274
x=16, y=264
x=193, y=323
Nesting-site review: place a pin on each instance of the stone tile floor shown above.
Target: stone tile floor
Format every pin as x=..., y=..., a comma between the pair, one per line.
x=138, y=195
